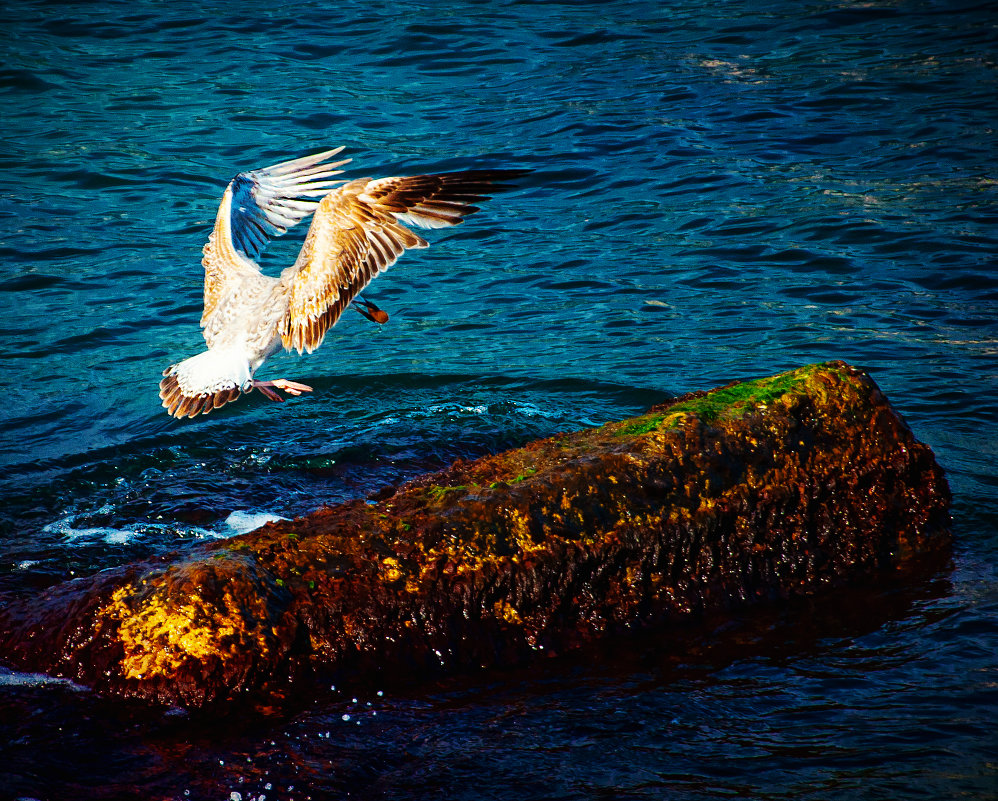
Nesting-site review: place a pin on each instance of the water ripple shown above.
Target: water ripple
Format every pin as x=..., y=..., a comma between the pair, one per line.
x=718, y=193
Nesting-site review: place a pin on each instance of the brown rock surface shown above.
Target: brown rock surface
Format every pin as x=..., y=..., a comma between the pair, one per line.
x=773, y=488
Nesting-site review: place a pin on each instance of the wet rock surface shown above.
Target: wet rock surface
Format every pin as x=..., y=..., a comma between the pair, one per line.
x=761, y=490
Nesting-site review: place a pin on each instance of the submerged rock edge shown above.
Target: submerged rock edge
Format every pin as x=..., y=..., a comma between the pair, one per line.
x=777, y=487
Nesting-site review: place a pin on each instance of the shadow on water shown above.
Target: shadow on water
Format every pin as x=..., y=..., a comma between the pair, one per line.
x=716, y=676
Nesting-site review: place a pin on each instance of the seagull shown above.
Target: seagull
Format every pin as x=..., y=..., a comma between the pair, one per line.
x=356, y=232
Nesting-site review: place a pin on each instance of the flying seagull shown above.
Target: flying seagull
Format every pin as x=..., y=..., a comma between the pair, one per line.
x=356, y=233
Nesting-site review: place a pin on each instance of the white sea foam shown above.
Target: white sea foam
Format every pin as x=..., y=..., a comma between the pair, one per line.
x=242, y=521
x=13, y=678
x=111, y=536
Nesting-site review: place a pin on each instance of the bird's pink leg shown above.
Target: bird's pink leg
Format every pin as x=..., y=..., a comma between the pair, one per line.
x=291, y=387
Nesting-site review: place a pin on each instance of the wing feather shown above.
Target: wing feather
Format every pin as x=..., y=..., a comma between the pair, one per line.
x=267, y=202
x=348, y=244
x=357, y=233
x=256, y=207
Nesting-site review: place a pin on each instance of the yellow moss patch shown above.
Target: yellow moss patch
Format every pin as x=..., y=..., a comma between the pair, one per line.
x=391, y=570
x=167, y=621
x=504, y=610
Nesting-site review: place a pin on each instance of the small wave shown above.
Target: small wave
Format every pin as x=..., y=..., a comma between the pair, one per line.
x=504, y=407
x=111, y=536
x=13, y=678
x=241, y=522
x=83, y=535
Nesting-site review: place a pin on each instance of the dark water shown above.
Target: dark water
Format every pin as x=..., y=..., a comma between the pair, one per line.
x=721, y=190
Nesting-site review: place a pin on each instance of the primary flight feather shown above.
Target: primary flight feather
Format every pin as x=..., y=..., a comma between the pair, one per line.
x=357, y=231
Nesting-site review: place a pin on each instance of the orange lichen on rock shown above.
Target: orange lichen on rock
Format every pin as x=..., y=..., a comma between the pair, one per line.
x=764, y=489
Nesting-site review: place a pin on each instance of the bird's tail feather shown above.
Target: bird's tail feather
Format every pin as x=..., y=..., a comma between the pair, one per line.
x=204, y=382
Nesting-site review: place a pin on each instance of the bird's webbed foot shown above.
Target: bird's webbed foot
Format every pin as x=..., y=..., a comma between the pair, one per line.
x=290, y=387
x=370, y=310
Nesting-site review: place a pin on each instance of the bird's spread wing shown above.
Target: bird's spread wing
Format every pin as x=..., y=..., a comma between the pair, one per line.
x=256, y=207
x=267, y=202
x=348, y=244
x=357, y=232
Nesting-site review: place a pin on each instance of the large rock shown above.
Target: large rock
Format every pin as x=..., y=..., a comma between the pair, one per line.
x=767, y=489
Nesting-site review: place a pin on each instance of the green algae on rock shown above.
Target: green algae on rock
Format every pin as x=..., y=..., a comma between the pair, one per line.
x=765, y=489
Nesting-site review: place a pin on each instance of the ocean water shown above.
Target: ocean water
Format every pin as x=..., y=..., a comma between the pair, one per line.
x=719, y=191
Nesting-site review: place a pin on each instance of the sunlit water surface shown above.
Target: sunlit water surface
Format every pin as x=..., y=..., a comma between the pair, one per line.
x=720, y=191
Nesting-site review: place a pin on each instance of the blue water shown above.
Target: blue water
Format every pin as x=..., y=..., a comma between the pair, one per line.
x=720, y=191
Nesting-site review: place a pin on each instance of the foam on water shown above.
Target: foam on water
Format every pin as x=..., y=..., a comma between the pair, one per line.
x=241, y=522
x=13, y=678
x=81, y=536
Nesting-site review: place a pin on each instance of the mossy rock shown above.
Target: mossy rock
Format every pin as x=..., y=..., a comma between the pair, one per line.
x=760, y=490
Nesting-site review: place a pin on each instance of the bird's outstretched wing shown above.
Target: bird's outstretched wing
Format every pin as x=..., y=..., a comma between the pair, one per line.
x=267, y=202
x=256, y=207
x=357, y=232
